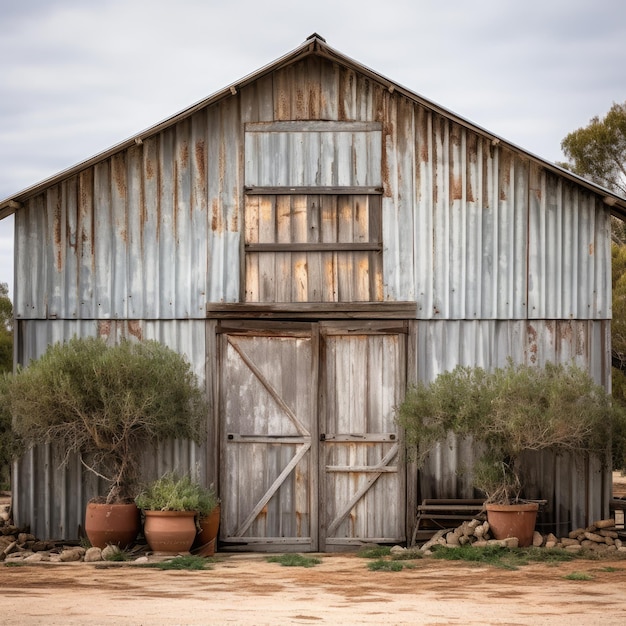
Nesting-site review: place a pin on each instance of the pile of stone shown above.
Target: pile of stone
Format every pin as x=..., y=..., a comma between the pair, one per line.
x=601, y=536
x=18, y=544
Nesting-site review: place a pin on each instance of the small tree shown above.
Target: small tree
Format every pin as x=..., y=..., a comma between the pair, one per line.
x=107, y=404
x=508, y=412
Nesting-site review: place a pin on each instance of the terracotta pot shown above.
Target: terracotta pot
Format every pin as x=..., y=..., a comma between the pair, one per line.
x=170, y=532
x=513, y=520
x=116, y=524
x=207, y=537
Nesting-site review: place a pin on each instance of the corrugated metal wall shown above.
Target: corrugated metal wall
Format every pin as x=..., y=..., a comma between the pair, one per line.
x=502, y=257
x=52, y=501
x=471, y=230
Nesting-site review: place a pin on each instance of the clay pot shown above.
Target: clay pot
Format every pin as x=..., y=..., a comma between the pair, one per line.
x=513, y=520
x=207, y=537
x=112, y=524
x=170, y=532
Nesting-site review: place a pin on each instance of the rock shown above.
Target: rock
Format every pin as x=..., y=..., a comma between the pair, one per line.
x=55, y=558
x=604, y=523
x=621, y=549
x=5, y=516
x=464, y=540
x=474, y=524
x=609, y=541
x=35, y=557
x=70, y=555
x=550, y=544
x=537, y=539
x=452, y=539
x=25, y=537
x=481, y=543
x=12, y=547
x=511, y=542
x=552, y=538
x=565, y=542
x=594, y=537
x=394, y=550
x=576, y=533
x=110, y=552
x=41, y=546
x=575, y=547
x=95, y=554
x=608, y=533
x=618, y=543
x=497, y=542
x=141, y=559
x=434, y=540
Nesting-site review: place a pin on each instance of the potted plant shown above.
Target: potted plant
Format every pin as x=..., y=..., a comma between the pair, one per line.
x=208, y=523
x=170, y=505
x=107, y=404
x=506, y=413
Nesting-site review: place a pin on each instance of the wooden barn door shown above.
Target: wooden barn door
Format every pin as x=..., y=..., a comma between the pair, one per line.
x=309, y=448
x=363, y=483
x=267, y=406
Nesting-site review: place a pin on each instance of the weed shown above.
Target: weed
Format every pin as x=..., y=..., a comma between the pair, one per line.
x=374, y=552
x=578, y=576
x=408, y=555
x=610, y=569
x=182, y=562
x=505, y=558
x=294, y=560
x=382, y=565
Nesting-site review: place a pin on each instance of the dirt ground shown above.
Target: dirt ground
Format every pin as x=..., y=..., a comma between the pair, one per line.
x=247, y=590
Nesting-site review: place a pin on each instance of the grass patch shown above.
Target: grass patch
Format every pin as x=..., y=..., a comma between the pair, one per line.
x=504, y=558
x=374, y=552
x=611, y=570
x=383, y=565
x=294, y=560
x=578, y=576
x=408, y=555
x=182, y=562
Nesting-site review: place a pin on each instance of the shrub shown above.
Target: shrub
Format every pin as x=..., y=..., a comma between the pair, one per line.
x=106, y=404
x=510, y=411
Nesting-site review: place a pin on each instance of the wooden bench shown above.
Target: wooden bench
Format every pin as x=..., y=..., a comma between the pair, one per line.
x=437, y=514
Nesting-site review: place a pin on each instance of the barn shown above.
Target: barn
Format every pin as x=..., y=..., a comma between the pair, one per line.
x=314, y=238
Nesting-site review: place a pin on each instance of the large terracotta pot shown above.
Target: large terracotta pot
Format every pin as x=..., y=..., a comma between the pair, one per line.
x=513, y=520
x=170, y=532
x=116, y=524
x=207, y=537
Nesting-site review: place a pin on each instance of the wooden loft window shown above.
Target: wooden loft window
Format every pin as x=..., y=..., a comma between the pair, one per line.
x=313, y=224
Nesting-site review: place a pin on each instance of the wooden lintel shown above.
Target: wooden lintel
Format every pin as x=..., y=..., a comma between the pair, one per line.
x=313, y=190
x=313, y=310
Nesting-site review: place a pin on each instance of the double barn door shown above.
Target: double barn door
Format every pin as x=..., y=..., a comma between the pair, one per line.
x=310, y=457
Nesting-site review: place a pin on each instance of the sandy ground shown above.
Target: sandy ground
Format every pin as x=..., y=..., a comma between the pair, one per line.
x=247, y=590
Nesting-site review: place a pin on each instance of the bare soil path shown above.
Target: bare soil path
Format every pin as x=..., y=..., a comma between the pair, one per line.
x=247, y=590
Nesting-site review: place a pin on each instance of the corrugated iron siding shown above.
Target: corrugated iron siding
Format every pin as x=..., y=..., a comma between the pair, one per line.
x=471, y=230
x=577, y=493
x=52, y=502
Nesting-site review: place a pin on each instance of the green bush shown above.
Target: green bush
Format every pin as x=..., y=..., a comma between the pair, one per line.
x=107, y=404
x=510, y=411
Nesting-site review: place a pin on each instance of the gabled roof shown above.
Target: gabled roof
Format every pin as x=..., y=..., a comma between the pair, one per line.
x=315, y=44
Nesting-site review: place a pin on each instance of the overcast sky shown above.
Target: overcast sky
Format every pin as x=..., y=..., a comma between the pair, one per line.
x=78, y=76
